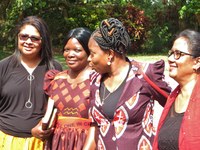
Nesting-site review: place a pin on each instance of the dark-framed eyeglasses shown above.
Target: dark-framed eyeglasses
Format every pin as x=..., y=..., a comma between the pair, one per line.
x=25, y=37
x=177, y=54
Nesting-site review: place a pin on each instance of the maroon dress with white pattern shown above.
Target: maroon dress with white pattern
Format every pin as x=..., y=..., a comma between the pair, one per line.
x=132, y=125
x=72, y=101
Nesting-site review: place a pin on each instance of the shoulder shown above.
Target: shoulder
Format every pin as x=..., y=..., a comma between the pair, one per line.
x=137, y=66
x=51, y=74
x=148, y=68
x=5, y=61
x=6, y=64
x=156, y=69
x=49, y=80
x=94, y=75
x=57, y=65
x=61, y=75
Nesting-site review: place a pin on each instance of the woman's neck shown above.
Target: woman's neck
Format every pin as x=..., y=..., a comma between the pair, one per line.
x=188, y=87
x=31, y=63
x=116, y=76
x=78, y=76
x=118, y=67
x=184, y=95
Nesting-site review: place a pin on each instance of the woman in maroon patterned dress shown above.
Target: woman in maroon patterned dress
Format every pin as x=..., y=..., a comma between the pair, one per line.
x=121, y=99
x=70, y=89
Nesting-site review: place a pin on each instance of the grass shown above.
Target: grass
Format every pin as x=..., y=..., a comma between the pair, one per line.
x=148, y=58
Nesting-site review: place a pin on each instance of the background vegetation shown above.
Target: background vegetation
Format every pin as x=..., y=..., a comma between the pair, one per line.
x=150, y=23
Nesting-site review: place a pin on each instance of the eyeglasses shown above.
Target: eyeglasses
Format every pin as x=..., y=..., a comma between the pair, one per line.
x=177, y=54
x=25, y=37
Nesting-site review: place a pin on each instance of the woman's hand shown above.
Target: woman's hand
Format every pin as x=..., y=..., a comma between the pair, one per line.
x=41, y=134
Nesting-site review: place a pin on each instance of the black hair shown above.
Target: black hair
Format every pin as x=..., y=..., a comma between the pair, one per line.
x=112, y=34
x=193, y=40
x=82, y=35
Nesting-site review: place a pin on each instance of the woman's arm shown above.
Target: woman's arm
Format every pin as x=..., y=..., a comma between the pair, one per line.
x=155, y=72
x=90, y=140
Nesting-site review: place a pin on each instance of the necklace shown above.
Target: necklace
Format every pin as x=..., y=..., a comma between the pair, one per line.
x=104, y=97
x=28, y=103
x=109, y=93
x=30, y=78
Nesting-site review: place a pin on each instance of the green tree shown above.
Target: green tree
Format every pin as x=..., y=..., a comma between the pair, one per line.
x=151, y=23
x=191, y=13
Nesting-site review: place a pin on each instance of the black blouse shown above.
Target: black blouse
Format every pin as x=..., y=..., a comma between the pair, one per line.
x=15, y=89
x=168, y=136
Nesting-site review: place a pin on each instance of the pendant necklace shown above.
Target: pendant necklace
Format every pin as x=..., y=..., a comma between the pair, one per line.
x=28, y=103
x=109, y=93
x=30, y=78
x=104, y=97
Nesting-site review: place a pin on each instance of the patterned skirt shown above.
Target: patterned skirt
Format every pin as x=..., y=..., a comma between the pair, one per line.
x=70, y=134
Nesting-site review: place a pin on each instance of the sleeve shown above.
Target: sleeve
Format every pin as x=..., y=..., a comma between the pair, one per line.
x=1, y=77
x=5, y=67
x=94, y=81
x=155, y=72
x=49, y=81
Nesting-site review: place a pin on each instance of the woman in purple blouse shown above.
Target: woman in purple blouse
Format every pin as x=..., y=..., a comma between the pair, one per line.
x=121, y=99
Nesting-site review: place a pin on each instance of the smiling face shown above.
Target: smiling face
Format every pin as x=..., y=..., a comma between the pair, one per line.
x=29, y=47
x=75, y=55
x=182, y=68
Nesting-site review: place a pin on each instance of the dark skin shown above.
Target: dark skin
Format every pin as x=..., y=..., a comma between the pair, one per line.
x=41, y=134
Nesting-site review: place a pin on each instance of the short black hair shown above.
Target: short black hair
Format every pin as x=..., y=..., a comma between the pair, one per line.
x=82, y=34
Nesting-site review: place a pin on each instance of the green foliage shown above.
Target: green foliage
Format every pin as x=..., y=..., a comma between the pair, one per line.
x=150, y=23
x=4, y=54
x=68, y=15
x=165, y=22
x=158, y=40
x=18, y=9
x=190, y=14
x=192, y=7
x=15, y=12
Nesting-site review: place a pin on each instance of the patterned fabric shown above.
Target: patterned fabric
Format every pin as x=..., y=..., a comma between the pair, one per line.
x=17, y=143
x=132, y=126
x=72, y=100
x=189, y=136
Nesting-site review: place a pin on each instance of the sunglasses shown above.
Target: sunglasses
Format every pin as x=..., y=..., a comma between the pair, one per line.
x=177, y=54
x=34, y=38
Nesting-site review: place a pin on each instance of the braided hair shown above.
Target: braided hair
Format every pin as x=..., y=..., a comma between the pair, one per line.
x=111, y=34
